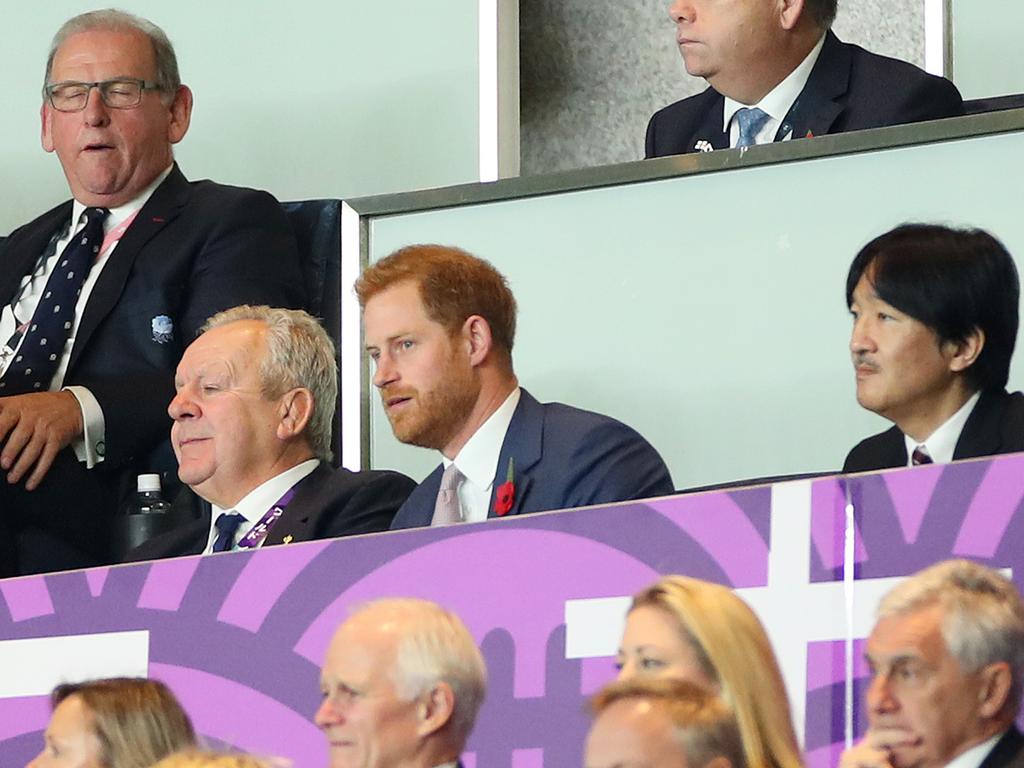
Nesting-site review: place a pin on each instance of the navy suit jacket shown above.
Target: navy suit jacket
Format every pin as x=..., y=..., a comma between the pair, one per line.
x=849, y=89
x=995, y=426
x=192, y=250
x=1008, y=751
x=563, y=457
x=328, y=503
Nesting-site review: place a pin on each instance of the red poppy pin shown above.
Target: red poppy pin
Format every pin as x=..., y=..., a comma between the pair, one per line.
x=506, y=494
x=809, y=135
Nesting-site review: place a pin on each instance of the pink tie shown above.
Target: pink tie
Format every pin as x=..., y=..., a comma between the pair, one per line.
x=446, y=508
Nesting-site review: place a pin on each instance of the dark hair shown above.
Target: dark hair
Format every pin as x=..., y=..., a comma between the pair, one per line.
x=954, y=281
x=453, y=286
x=823, y=11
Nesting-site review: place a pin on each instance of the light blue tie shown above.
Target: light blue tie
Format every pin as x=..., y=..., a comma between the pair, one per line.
x=751, y=122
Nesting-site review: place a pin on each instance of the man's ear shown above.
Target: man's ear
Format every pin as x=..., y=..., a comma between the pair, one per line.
x=180, y=114
x=435, y=709
x=790, y=13
x=964, y=353
x=476, y=333
x=46, y=126
x=996, y=682
x=295, y=412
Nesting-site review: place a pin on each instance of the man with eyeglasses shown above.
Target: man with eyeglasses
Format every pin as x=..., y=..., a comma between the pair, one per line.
x=99, y=296
x=946, y=658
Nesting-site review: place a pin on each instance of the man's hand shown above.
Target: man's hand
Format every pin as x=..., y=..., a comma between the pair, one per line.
x=37, y=427
x=875, y=749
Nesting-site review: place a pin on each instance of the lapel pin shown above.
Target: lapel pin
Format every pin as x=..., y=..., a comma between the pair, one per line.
x=163, y=329
x=703, y=146
x=287, y=539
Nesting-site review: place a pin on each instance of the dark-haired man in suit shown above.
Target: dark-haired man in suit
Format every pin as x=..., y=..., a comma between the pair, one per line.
x=439, y=325
x=934, y=327
x=776, y=72
x=253, y=412
x=99, y=296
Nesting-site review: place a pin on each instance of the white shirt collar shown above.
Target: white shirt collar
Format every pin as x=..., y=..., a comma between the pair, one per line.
x=255, y=504
x=478, y=459
x=122, y=212
x=941, y=444
x=781, y=98
x=974, y=756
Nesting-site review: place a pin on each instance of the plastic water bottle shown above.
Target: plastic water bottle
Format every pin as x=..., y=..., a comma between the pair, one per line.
x=148, y=499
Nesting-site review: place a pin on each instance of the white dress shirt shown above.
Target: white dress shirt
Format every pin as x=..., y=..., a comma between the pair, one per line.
x=255, y=504
x=974, y=756
x=777, y=103
x=478, y=461
x=941, y=444
x=90, y=447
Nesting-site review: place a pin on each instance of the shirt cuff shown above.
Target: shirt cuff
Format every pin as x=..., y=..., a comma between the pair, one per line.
x=91, y=446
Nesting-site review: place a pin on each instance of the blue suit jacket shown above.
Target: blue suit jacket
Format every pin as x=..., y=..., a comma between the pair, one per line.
x=849, y=89
x=563, y=457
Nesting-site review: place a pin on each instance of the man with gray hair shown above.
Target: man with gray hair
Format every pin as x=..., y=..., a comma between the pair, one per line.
x=402, y=683
x=946, y=657
x=255, y=404
x=100, y=296
x=662, y=723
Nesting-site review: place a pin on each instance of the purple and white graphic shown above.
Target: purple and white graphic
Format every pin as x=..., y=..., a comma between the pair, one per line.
x=239, y=637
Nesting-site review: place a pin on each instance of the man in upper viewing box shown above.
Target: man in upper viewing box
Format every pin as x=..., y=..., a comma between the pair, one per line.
x=99, y=296
x=934, y=327
x=439, y=324
x=777, y=72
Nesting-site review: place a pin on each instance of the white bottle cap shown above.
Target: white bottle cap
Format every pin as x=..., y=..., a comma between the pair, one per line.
x=148, y=483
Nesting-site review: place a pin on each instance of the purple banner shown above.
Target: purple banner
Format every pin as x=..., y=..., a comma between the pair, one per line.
x=239, y=637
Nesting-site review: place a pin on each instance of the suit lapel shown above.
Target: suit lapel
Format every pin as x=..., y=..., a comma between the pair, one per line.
x=1006, y=750
x=523, y=445
x=162, y=207
x=20, y=253
x=710, y=130
x=298, y=520
x=818, y=105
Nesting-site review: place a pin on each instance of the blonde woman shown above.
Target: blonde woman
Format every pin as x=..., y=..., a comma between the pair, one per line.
x=685, y=628
x=114, y=723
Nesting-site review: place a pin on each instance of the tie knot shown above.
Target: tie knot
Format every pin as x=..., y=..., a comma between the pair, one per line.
x=920, y=456
x=227, y=524
x=451, y=479
x=94, y=214
x=751, y=121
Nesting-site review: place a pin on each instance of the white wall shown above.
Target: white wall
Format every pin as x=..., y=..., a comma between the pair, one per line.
x=987, y=56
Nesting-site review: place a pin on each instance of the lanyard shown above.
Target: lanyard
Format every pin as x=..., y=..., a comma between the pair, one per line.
x=259, y=532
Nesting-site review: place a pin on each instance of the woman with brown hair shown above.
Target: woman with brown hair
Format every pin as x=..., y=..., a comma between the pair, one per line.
x=685, y=628
x=114, y=723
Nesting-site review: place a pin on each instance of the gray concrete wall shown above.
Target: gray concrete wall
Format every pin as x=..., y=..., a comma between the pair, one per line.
x=593, y=71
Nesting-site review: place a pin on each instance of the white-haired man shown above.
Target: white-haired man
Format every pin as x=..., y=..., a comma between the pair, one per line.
x=947, y=655
x=255, y=403
x=402, y=683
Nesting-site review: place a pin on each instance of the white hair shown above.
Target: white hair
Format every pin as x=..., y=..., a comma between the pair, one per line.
x=299, y=353
x=437, y=648
x=983, y=615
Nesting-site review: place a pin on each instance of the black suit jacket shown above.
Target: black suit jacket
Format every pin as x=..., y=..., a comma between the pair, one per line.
x=193, y=249
x=1007, y=753
x=328, y=503
x=849, y=89
x=995, y=426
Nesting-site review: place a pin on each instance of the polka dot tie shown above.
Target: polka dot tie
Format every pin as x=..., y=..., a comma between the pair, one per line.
x=751, y=121
x=47, y=332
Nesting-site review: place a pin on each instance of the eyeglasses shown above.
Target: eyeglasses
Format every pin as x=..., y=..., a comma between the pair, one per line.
x=116, y=94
